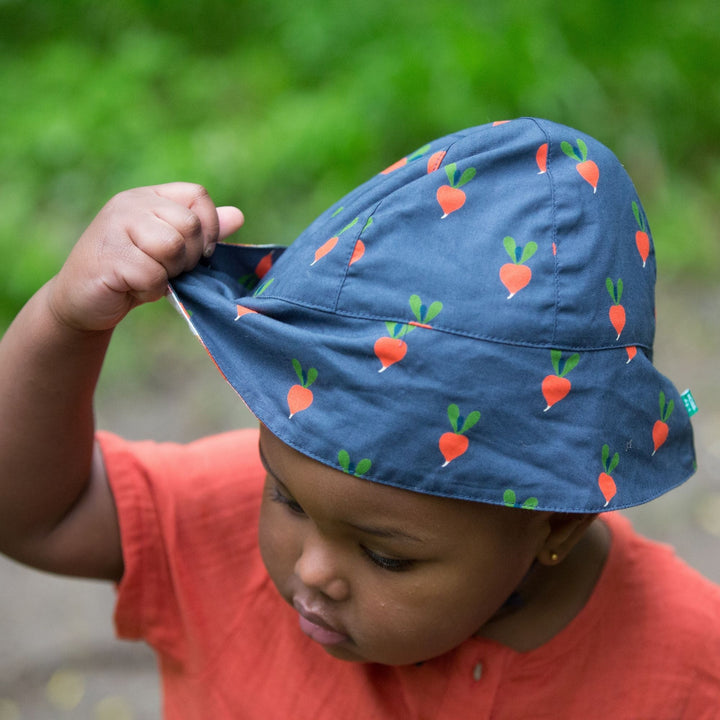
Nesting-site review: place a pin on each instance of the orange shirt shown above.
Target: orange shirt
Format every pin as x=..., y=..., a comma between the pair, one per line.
x=646, y=645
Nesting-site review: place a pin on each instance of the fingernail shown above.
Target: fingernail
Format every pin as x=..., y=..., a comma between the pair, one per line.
x=209, y=250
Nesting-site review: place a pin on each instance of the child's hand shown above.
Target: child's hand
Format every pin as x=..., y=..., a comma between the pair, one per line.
x=139, y=239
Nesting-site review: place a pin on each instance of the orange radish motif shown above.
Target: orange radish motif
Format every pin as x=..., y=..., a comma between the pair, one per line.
x=588, y=169
x=261, y=270
x=605, y=480
x=451, y=197
x=330, y=244
x=390, y=350
x=300, y=397
x=242, y=310
x=359, y=249
x=556, y=387
x=642, y=239
x=631, y=351
x=541, y=158
x=435, y=160
x=661, y=429
x=358, y=470
x=617, y=311
x=515, y=275
x=404, y=161
x=455, y=443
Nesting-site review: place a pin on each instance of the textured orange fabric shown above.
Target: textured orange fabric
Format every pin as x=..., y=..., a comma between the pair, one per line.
x=646, y=645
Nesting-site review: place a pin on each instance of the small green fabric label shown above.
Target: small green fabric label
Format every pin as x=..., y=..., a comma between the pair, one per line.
x=689, y=402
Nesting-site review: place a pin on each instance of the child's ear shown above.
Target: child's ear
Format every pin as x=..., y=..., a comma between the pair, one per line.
x=566, y=529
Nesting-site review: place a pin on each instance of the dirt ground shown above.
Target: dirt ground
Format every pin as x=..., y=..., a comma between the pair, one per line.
x=58, y=656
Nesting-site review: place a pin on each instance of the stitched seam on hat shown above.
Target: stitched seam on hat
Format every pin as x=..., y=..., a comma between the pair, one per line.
x=450, y=331
x=553, y=205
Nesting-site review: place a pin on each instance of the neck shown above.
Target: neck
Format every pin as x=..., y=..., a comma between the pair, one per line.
x=550, y=597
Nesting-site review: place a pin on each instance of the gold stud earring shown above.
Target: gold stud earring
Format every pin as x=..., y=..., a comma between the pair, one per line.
x=554, y=557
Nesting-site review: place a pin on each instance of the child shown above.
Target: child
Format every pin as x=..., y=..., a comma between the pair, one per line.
x=452, y=372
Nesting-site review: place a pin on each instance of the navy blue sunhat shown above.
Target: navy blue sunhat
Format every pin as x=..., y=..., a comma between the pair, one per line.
x=474, y=322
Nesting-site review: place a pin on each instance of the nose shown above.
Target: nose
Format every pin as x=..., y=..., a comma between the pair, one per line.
x=319, y=567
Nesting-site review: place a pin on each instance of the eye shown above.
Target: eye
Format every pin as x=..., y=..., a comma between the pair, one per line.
x=388, y=563
x=292, y=505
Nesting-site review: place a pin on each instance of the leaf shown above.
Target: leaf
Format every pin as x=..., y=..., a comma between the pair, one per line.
x=670, y=408
x=583, y=149
x=419, y=152
x=344, y=460
x=530, y=504
x=433, y=311
x=555, y=356
x=466, y=177
x=470, y=421
x=605, y=456
x=363, y=466
x=509, y=243
x=662, y=404
x=391, y=328
x=453, y=415
x=570, y=364
x=348, y=226
x=528, y=251
x=509, y=498
x=610, y=285
x=416, y=307
x=404, y=330
x=367, y=225
x=569, y=150
x=450, y=172
x=613, y=463
x=619, y=290
x=636, y=212
x=298, y=370
x=262, y=288
x=338, y=211
x=312, y=374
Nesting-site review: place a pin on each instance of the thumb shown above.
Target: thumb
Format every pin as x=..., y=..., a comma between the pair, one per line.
x=230, y=219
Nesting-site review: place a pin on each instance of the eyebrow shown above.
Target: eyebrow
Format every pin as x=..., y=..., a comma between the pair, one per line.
x=367, y=529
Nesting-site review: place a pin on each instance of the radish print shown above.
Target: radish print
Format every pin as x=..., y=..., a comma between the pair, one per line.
x=390, y=350
x=359, y=249
x=510, y=499
x=605, y=480
x=588, y=170
x=660, y=429
x=358, y=470
x=328, y=245
x=515, y=275
x=242, y=310
x=455, y=443
x=435, y=160
x=642, y=239
x=404, y=161
x=556, y=387
x=261, y=269
x=300, y=397
x=541, y=158
x=451, y=197
x=617, y=311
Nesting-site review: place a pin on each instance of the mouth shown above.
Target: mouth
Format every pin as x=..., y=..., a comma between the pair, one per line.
x=317, y=628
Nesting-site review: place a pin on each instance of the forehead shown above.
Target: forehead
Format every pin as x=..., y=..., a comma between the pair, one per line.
x=332, y=495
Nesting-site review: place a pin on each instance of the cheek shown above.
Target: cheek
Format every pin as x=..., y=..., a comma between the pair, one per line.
x=277, y=543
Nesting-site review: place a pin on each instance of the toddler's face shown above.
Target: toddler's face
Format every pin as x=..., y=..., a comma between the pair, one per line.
x=379, y=574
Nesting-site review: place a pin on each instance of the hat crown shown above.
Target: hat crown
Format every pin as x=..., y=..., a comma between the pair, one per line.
x=523, y=232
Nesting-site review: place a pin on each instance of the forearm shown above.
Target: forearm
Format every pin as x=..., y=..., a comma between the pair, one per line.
x=48, y=373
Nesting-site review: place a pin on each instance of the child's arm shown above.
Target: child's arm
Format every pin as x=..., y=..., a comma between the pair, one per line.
x=56, y=509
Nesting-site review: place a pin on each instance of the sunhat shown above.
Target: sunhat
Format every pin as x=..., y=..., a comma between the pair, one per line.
x=474, y=322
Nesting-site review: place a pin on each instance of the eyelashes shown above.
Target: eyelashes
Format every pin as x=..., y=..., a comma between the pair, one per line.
x=383, y=562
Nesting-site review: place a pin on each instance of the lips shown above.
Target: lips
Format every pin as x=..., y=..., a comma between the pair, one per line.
x=317, y=628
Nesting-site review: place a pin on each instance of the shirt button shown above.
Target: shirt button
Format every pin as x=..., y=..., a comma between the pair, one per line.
x=477, y=672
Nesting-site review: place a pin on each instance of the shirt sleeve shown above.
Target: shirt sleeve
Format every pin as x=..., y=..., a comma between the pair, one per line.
x=188, y=524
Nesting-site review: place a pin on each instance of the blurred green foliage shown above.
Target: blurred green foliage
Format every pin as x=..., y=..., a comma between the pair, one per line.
x=281, y=107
